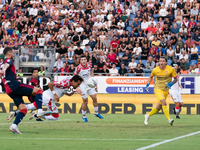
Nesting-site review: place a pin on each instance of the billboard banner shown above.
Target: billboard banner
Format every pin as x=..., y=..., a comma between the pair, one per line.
x=44, y=80
x=112, y=104
x=120, y=85
x=136, y=85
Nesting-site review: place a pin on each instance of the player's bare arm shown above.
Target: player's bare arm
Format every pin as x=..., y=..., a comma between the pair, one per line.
x=175, y=80
x=180, y=85
x=5, y=67
x=50, y=85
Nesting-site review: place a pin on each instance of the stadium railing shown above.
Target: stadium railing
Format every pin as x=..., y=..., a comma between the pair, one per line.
x=35, y=56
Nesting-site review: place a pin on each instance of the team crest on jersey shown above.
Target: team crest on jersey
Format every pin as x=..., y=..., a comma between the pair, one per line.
x=166, y=72
x=162, y=95
x=8, y=60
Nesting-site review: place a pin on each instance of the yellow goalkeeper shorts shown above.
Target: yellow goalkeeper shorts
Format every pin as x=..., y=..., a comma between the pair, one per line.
x=160, y=94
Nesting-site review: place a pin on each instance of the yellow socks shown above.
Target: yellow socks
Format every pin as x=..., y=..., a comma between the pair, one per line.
x=153, y=111
x=166, y=112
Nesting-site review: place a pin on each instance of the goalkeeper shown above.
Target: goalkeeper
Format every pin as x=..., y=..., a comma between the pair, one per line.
x=163, y=82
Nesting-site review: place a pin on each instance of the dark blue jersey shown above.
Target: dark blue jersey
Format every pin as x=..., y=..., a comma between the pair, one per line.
x=10, y=80
x=34, y=82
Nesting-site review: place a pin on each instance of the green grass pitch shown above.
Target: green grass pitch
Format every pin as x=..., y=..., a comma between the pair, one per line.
x=114, y=132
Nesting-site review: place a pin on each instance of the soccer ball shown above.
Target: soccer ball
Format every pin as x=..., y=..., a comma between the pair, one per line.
x=92, y=82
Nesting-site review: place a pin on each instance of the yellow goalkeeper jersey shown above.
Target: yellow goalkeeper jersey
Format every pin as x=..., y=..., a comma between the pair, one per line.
x=162, y=77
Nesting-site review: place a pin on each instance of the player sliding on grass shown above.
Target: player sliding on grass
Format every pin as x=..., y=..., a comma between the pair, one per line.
x=56, y=90
x=16, y=89
x=163, y=82
x=176, y=97
x=84, y=69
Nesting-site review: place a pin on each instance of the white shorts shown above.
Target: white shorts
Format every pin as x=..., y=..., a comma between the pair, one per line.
x=85, y=89
x=49, y=102
x=176, y=97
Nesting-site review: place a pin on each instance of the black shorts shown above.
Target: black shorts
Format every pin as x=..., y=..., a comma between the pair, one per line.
x=22, y=90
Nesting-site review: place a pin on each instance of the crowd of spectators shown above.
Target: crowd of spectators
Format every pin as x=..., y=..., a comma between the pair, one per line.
x=116, y=36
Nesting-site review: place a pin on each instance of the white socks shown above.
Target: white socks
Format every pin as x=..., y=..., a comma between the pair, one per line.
x=84, y=113
x=177, y=110
x=96, y=110
x=30, y=107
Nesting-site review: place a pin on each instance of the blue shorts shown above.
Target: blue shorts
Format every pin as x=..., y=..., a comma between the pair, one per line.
x=19, y=92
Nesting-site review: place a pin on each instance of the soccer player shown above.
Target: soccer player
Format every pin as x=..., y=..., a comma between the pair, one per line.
x=84, y=69
x=56, y=90
x=34, y=81
x=163, y=82
x=176, y=97
x=54, y=93
x=16, y=89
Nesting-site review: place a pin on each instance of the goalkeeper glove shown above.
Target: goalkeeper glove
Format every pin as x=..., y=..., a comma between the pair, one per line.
x=147, y=87
x=169, y=85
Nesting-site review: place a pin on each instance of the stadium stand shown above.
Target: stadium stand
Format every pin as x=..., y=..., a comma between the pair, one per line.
x=42, y=31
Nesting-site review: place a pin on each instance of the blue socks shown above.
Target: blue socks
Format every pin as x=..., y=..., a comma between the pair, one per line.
x=38, y=101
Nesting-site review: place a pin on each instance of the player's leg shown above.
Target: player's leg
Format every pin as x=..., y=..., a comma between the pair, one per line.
x=22, y=112
x=84, y=96
x=13, y=114
x=95, y=104
x=164, y=107
x=152, y=112
x=38, y=99
x=49, y=102
x=84, y=108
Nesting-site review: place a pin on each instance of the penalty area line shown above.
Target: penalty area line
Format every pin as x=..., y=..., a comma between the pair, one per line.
x=169, y=140
x=77, y=139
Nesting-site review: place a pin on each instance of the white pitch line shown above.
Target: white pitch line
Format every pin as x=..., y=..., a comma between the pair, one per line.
x=45, y=121
x=166, y=141
x=77, y=139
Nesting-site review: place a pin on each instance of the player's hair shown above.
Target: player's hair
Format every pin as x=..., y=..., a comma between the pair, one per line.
x=76, y=78
x=33, y=69
x=164, y=58
x=6, y=50
x=83, y=56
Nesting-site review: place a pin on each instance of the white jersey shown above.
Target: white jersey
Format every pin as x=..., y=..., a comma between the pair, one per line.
x=84, y=72
x=175, y=88
x=60, y=87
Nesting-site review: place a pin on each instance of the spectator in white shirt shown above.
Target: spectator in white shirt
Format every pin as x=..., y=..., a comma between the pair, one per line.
x=144, y=24
x=163, y=12
x=120, y=23
x=58, y=64
x=183, y=55
x=98, y=24
x=33, y=11
x=170, y=53
x=137, y=51
x=152, y=21
x=46, y=36
x=194, y=52
x=6, y=23
x=113, y=71
x=51, y=23
x=132, y=65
